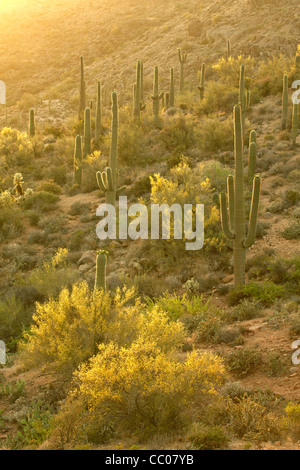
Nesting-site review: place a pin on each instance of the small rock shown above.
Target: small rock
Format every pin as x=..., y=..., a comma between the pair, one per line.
x=84, y=268
x=87, y=257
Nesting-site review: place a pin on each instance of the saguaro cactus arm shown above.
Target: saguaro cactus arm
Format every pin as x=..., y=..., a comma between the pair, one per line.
x=253, y=212
x=224, y=217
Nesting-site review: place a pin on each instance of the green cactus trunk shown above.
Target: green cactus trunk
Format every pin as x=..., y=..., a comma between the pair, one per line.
x=172, y=88
x=295, y=123
x=111, y=193
x=234, y=225
x=98, y=123
x=156, y=96
x=201, y=88
x=87, y=132
x=142, y=83
x=78, y=161
x=82, y=96
x=182, y=59
x=285, y=102
x=228, y=49
x=31, y=127
x=137, y=94
x=100, y=279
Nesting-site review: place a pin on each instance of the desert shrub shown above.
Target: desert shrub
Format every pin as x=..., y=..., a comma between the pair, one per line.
x=185, y=187
x=144, y=387
x=91, y=165
x=179, y=306
x=79, y=208
x=292, y=232
x=270, y=72
x=246, y=310
x=33, y=217
x=274, y=364
x=218, y=98
x=293, y=419
x=208, y=438
x=14, y=317
x=266, y=293
x=14, y=390
x=52, y=276
x=178, y=134
x=132, y=145
x=49, y=187
x=11, y=224
x=244, y=361
x=41, y=201
x=215, y=136
x=250, y=420
x=229, y=70
x=15, y=148
x=78, y=321
x=147, y=285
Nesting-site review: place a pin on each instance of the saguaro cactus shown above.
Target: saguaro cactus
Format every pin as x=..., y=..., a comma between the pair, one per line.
x=202, y=82
x=138, y=104
x=107, y=180
x=87, y=132
x=172, y=88
x=182, y=56
x=100, y=278
x=82, y=97
x=156, y=95
x=78, y=160
x=31, y=127
x=142, y=83
x=98, y=123
x=285, y=102
x=295, y=123
x=242, y=83
x=234, y=224
x=228, y=49
x=252, y=156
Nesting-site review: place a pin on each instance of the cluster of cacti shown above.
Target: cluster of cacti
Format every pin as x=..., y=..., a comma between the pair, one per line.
x=234, y=223
x=156, y=95
x=202, y=82
x=78, y=160
x=107, y=180
x=138, y=92
x=87, y=132
x=31, y=127
x=100, y=278
x=182, y=59
x=285, y=102
x=98, y=122
x=82, y=97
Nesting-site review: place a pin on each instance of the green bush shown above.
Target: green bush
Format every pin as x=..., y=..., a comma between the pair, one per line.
x=208, y=438
x=266, y=293
x=41, y=201
x=244, y=361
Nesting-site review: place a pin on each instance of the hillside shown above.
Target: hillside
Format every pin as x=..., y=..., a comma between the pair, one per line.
x=107, y=368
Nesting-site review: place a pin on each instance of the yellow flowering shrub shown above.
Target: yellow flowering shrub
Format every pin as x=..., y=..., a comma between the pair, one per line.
x=67, y=331
x=144, y=388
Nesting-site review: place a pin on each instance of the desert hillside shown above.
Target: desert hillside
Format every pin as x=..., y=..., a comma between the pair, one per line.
x=136, y=344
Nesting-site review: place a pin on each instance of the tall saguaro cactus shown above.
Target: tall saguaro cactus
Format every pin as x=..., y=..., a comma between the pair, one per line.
x=234, y=224
x=182, y=56
x=107, y=180
x=78, y=160
x=295, y=123
x=82, y=96
x=138, y=104
x=87, y=132
x=228, y=49
x=100, y=278
x=285, y=102
x=172, y=88
x=202, y=82
x=31, y=127
x=98, y=123
x=242, y=84
x=156, y=95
